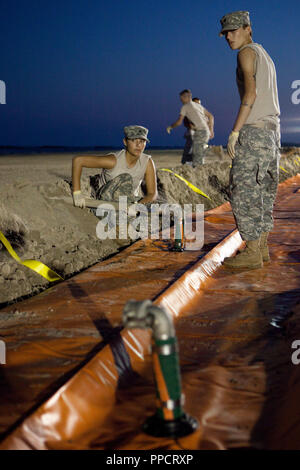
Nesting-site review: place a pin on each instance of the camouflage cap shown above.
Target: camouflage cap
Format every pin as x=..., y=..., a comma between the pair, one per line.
x=136, y=132
x=234, y=21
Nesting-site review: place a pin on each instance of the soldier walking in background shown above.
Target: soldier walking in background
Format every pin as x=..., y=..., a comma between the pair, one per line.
x=203, y=122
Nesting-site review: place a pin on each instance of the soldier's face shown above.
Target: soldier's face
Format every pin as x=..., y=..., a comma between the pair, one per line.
x=135, y=146
x=185, y=98
x=237, y=38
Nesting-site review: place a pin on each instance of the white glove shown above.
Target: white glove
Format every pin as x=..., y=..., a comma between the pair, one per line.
x=131, y=211
x=232, y=140
x=169, y=128
x=78, y=199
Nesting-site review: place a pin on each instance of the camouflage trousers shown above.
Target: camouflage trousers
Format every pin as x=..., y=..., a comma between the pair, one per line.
x=200, y=140
x=187, y=151
x=121, y=185
x=254, y=180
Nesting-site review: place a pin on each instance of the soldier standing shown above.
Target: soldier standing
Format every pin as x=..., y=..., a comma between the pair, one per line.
x=253, y=144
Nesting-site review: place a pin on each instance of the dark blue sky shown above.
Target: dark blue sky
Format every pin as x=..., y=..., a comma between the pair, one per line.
x=77, y=71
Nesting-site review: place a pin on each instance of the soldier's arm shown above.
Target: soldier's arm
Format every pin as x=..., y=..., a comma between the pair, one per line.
x=107, y=161
x=246, y=62
x=211, y=120
x=151, y=186
x=178, y=122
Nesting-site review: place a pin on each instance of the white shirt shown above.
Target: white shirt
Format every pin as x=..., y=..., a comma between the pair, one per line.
x=195, y=113
x=137, y=172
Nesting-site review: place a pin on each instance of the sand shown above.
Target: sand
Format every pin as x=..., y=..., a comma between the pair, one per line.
x=41, y=224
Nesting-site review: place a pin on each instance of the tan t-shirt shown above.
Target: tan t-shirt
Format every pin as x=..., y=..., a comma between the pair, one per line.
x=195, y=113
x=137, y=172
x=266, y=105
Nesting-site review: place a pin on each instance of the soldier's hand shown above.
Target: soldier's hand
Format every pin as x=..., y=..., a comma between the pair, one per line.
x=78, y=199
x=169, y=128
x=232, y=140
x=212, y=134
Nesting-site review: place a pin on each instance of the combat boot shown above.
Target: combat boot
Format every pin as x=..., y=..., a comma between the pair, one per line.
x=264, y=247
x=250, y=258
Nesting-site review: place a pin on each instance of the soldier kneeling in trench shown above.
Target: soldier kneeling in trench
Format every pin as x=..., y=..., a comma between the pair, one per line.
x=122, y=172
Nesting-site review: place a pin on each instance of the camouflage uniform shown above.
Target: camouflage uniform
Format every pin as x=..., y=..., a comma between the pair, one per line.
x=187, y=151
x=121, y=185
x=254, y=172
x=200, y=140
x=254, y=179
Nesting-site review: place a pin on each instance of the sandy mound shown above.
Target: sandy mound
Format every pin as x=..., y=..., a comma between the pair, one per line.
x=60, y=235
x=13, y=228
x=213, y=180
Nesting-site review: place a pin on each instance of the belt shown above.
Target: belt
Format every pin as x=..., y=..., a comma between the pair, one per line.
x=270, y=126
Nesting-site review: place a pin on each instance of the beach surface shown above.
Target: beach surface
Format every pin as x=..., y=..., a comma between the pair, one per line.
x=39, y=220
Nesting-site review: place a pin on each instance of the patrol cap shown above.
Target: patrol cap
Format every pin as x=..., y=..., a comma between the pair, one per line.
x=234, y=20
x=136, y=132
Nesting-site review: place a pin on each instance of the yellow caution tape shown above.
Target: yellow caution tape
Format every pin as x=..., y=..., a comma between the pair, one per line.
x=36, y=266
x=190, y=185
x=283, y=169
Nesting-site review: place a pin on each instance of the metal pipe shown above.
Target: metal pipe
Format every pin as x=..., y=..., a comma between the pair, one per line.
x=170, y=418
